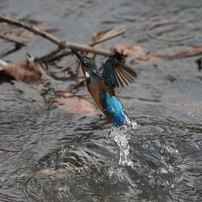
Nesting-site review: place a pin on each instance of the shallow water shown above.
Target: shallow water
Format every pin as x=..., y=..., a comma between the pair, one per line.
x=48, y=154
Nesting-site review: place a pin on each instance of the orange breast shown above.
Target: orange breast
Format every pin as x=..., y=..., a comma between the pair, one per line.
x=95, y=93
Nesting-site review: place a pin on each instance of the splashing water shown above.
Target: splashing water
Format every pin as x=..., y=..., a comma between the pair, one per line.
x=121, y=137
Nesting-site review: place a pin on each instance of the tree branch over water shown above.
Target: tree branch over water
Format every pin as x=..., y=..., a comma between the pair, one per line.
x=60, y=43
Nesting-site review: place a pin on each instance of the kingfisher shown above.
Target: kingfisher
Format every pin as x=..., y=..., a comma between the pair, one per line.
x=101, y=86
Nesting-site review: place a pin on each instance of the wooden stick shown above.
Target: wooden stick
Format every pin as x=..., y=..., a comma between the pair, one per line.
x=57, y=57
x=49, y=55
x=67, y=65
x=65, y=53
x=108, y=37
x=10, y=50
x=50, y=37
x=12, y=40
x=104, y=38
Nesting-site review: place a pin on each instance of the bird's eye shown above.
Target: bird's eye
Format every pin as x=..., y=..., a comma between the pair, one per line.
x=84, y=63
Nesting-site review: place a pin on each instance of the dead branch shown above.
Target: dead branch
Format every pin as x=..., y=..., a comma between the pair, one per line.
x=12, y=40
x=68, y=65
x=10, y=50
x=57, y=57
x=49, y=55
x=60, y=43
x=52, y=56
x=118, y=33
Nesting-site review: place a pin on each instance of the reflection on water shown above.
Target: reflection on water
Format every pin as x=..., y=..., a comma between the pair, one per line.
x=48, y=154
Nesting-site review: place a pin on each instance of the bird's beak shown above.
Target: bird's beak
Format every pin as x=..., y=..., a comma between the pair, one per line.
x=80, y=58
x=76, y=53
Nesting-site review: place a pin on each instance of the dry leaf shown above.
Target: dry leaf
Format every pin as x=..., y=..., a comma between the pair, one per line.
x=97, y=36
x=22, y=72
x=75, y=104
x=171, y=78
x=174, y=52
x=127, y=50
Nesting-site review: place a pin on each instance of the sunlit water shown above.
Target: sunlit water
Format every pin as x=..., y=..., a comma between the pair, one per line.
x=48, y=154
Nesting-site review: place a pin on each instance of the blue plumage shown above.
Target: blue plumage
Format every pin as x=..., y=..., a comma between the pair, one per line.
x=101, y=86
x=114, y=109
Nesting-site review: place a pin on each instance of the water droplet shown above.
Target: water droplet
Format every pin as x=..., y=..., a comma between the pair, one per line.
x=145, y=145
x=120, y=137
x=163, y=170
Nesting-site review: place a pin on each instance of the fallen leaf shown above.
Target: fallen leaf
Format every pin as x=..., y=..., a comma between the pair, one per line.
x=96, y=37
x=171, y=78
x=127, y=50
x=174, y=52
x=22, y=72
x=74, y=104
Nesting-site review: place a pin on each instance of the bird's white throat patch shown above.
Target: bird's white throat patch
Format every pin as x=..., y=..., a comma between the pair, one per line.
x=87, y=75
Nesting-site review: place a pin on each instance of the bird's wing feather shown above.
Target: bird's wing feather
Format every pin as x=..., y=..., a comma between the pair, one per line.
x=98, y=82
x=117, y=74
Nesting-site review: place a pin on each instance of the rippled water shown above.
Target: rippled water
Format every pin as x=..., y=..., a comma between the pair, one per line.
x=48, y=154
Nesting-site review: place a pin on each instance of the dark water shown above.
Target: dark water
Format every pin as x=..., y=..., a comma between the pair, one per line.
x=47, y=154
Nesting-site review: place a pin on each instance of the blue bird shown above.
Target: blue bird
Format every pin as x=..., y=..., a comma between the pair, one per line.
x=101, y=86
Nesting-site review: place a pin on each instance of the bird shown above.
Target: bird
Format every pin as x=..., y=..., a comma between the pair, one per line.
x=102, y=86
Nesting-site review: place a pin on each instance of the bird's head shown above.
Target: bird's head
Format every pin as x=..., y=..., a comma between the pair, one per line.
x=88, y=65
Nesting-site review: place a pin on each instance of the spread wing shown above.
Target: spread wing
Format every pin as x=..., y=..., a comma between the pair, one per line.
x=117, y=74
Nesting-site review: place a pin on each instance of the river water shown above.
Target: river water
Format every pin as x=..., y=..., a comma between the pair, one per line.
x=48, y=154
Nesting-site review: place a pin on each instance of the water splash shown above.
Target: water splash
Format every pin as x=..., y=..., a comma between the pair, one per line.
x=121, y=136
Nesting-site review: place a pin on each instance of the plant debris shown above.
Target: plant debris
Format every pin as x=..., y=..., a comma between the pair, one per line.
x=21, y=71
x=74, y=104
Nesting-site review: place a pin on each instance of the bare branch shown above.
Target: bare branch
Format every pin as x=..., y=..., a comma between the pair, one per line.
x=57, y=57
x=67, y=65
x=12, y=40
x=50, y=37
x=49, y=55
x=65, y=53
x=118, y=33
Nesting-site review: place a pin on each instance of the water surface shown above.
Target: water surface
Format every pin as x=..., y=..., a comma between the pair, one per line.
x=48, y=154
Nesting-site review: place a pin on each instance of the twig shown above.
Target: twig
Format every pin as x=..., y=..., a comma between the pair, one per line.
x=39, y=67
x=10, y=50
x=104, y=38
x=50, y=37
x=107, y=38
x=67, y=65
x=65, y=53
x=12, y=40
x=57, y=57
x=3, y=63
x=49, y=55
